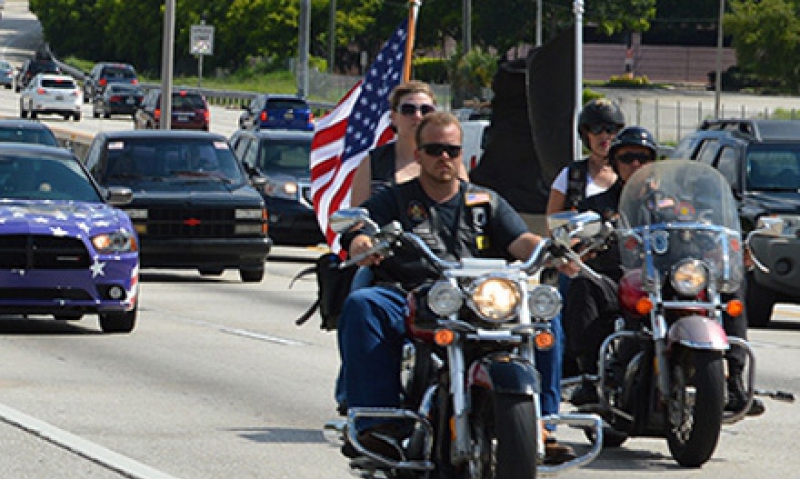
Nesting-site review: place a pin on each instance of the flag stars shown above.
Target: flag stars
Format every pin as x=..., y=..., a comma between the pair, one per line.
x=97, y=268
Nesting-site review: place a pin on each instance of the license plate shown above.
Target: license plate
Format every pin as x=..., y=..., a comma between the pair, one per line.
x=130, y=101
x=183, y=118
x=289, y=115
x=59, y=98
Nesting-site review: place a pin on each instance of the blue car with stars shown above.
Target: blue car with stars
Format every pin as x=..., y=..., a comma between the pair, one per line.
x=65, y=249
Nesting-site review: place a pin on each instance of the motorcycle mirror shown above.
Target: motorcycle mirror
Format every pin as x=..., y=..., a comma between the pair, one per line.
x=348, y=218
x=568, y=225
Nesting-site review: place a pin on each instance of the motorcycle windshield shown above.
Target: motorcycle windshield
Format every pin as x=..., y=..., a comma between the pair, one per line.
x=674, y=210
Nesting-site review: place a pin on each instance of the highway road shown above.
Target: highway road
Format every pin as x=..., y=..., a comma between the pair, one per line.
x=217, y=380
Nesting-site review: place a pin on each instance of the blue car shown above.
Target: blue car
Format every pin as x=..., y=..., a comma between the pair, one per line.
x=282, y=112
x=64, y=250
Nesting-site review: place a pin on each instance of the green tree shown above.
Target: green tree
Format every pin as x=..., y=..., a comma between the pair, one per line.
x=766, y=36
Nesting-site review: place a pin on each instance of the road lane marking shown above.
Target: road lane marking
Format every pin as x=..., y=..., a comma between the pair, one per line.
x=261, y=337
x=93, y=452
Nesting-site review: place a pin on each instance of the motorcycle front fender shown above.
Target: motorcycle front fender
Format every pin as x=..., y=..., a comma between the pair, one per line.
x=698, y=332
x=504, y=373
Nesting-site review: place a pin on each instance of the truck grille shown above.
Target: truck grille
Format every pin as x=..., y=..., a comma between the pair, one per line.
x=190, y=222
x=42, y=252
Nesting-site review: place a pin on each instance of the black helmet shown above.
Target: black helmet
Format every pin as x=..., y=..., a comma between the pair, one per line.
x=633, y=135
x=598, y=112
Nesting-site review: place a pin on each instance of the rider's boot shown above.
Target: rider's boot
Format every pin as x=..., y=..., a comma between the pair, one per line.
x=586, y=393
x=737, y=396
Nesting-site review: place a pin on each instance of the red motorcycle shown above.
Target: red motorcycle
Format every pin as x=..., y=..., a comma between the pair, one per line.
x=662, y=372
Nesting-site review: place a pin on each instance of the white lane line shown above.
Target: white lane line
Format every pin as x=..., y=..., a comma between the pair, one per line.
x=86, y=449
x=261, y=337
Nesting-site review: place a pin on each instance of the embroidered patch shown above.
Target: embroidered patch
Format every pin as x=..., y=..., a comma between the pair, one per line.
x=476, y=198
x=416, y=212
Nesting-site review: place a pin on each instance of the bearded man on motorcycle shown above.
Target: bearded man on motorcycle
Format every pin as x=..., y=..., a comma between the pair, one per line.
x=457, y=220
x=591, y=304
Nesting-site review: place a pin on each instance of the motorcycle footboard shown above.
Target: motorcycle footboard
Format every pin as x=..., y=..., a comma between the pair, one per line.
x=730, y=417
x=590, y=422
x=422, y=435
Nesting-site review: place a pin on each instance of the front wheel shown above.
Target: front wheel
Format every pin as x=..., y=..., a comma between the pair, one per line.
x=505, y=431
x=696, y=404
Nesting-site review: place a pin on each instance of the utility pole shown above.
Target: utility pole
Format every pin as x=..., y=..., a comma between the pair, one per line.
x=302, y=46
x=332, y=37
x=718, y=78
x=466, y=28
x=168, y=47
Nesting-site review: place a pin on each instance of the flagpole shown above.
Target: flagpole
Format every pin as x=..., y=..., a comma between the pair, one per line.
x=413, y=9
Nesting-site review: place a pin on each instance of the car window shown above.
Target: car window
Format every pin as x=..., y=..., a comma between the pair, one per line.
x=283, y=155
x=27, y=135
x=773, y=167
x=119, y=73
x=728, y=166
x=187, y=102
x=708, y=152
x=60, y=83
x=286, y=104
x=164, y=160
x=26, y=176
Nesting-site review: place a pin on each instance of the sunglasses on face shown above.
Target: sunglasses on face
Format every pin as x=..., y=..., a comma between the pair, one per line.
x=608, y=129
x=436, y=149
x=409, y=109
x=629, y=158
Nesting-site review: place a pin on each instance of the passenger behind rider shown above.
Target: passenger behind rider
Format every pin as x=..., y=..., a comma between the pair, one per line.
x=437, y=206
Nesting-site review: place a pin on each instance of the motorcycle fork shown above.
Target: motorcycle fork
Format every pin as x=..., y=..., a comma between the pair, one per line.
x=460, y=430
x=660, y=361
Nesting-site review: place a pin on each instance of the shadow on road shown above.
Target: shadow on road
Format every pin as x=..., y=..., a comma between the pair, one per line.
x=45, y=325
x=281, y=435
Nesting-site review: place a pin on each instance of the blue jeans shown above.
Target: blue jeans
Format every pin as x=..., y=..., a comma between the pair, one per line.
x=548, y=363
x=362, y=279
x=371, y=334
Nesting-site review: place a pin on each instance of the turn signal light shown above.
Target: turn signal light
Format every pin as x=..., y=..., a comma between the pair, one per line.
x=735, y=308
x=544, y=340
x=644, y=306
x=444, y=337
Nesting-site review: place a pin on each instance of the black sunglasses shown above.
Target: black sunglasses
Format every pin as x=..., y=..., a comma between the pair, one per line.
x=408, y=109
x=597, y=129
x=436, y=149
x=628, y=158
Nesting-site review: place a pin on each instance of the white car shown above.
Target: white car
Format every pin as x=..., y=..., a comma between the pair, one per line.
x=51, y=94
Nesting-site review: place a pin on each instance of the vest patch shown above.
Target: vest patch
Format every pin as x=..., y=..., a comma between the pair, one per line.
x=416, y=212
x=477, y=198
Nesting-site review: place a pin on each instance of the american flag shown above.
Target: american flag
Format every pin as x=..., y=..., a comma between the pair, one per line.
x=359, y=123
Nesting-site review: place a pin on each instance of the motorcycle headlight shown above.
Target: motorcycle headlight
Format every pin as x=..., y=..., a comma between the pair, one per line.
x=689, y=277
x=495, y=299
x=544, y=302
x=444, y=299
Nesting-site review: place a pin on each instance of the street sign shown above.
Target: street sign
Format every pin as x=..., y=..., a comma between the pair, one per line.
x=202, y=40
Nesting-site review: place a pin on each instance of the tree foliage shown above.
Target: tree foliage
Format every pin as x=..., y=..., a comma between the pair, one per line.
x=766, y=36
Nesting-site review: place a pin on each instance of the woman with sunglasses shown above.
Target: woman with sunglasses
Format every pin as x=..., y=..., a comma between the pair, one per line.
x=394, y=162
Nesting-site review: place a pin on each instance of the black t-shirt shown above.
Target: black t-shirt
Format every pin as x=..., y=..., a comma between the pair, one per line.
x=475, y=223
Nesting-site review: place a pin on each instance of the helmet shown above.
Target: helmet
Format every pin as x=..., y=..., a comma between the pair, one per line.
x=633, y=135
x=600, y=111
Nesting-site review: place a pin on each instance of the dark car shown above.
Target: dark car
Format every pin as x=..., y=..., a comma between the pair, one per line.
x=7, y=73
x=117, y=99
x=761, y=161
x=288, y=112
x=189, y=111
x=31, y=68
x=193, y=205
x=26, y=131
x=104, y=74
x=282, y=158
x=64, y=250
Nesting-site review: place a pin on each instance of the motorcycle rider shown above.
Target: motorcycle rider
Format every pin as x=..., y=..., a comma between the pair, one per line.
x=457, y=220
x=591, y=304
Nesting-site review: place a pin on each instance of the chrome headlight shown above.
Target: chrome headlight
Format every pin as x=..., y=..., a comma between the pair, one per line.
x=495, y=299
x=444, y=299
x=544, y=302
x=689, y=277
x=115, y=242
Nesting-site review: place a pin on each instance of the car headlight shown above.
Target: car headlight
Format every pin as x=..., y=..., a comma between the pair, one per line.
x=281, y=188
x=444, y=298
x=544, y=302
x=115, y=242
x=689, y=277
x=495, y=299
